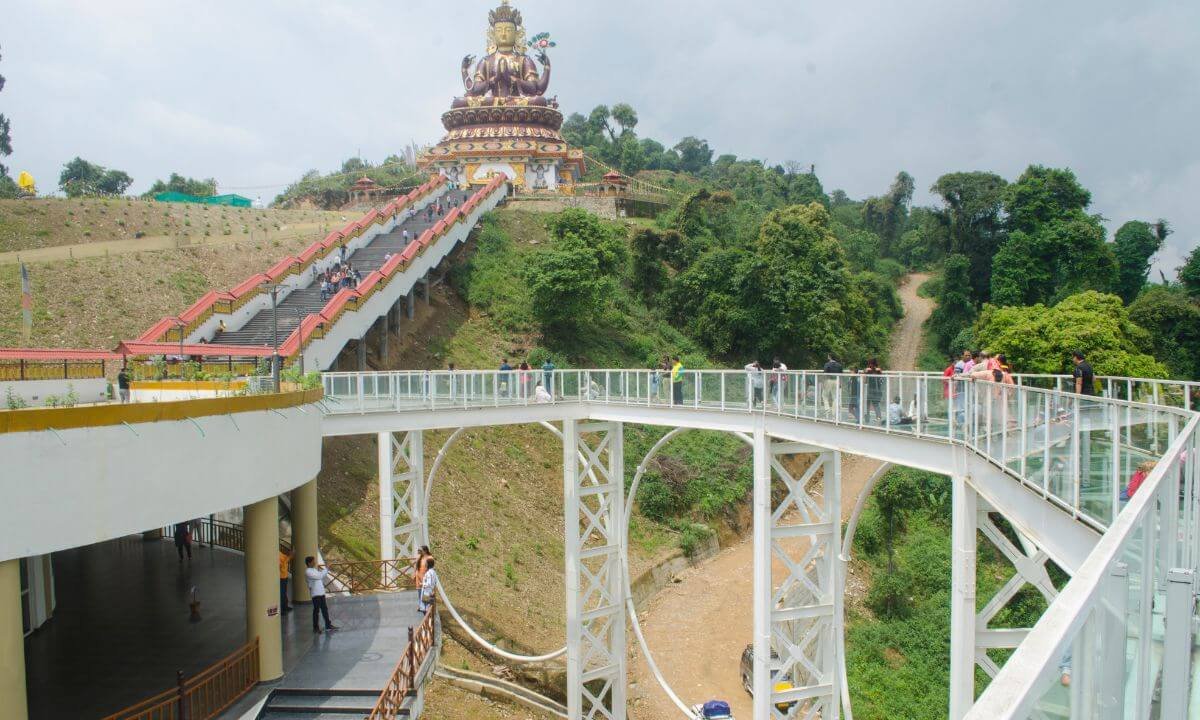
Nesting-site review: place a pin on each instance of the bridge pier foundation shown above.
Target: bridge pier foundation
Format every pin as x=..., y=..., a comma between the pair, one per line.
x=394, y=317
x=12, y=643
x=593, y=490
x=401, y=494
x=425, y=282
x=408, y=303
x=361, y=356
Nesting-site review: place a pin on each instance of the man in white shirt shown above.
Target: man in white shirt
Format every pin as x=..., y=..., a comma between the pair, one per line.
x=315, y=575
x=429, y=585
x=755, y=372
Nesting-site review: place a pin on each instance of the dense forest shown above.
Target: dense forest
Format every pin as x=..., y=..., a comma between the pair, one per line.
x=1024, y=267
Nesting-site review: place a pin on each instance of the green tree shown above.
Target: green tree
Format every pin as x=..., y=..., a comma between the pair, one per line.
x=954, y=310
x=694, y=154
x=1189, y=273
x=604, y=241
x=80, y=178
x=1061, y=257
x=8, y=188
x=1173, y=321
x=973, y=203
x=649, y=271
x=1041, y=195
x=114, y=182
x=1133, y=246
x=625, y=117
x=567, y=287
x=1040, y=339
x=897, y=494
x=886, y=215
x=189, y=186
x=354, y=164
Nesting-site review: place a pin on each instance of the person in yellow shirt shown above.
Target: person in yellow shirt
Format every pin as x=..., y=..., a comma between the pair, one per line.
x=676, y=381
x=285, y=571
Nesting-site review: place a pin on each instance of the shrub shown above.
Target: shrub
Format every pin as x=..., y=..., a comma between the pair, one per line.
x=890, y=596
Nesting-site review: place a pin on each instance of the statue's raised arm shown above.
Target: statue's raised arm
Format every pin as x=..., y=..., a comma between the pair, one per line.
x=531, y=82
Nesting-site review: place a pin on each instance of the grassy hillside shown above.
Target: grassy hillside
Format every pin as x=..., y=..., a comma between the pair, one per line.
x=50, y=222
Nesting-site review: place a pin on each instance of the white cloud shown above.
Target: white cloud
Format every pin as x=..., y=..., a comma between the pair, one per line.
x=256, y=93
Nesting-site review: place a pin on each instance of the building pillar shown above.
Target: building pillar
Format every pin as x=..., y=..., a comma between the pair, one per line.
x=12, y=644
x=962, y=598
x=425, y=286
x=409, y=303
x=362, y=354
x=304, y=536
x=383, y=338
x=261, y=522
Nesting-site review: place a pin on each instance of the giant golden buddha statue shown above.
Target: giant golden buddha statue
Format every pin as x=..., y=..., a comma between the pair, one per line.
x=506, y=75
x=504, y=123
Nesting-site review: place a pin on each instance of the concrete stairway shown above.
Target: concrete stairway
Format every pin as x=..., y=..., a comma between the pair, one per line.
x=307, y=300
x=301, y=704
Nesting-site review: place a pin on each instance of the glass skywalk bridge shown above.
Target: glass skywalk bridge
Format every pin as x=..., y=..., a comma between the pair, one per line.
x=1122, y=628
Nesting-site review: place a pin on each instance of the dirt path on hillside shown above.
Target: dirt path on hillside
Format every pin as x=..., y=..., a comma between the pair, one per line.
x=698, y=626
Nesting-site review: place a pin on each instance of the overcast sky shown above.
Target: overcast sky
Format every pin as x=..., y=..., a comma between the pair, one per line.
x=255, y=93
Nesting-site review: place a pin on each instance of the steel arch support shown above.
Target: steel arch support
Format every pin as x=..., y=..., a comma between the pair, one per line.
x=595, y=537
x=797, y=598
x=401, y=493
x=962, y=597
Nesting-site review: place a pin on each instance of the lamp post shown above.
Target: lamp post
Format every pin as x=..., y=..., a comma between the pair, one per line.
x=273, y=288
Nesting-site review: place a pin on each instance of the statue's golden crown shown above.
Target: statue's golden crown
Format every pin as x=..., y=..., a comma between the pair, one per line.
x=505, y=13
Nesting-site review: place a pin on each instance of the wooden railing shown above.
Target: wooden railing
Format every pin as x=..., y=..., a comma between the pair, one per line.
x=370, y=575
x=403, y=681
x=51, y=369
x=204, y=695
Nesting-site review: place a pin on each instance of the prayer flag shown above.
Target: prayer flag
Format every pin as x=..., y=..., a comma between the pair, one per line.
x=26, y=303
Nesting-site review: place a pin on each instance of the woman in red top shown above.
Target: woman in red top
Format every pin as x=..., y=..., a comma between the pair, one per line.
x=1139, y=476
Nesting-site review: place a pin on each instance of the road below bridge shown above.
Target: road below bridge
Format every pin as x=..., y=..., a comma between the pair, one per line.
x=698, y=626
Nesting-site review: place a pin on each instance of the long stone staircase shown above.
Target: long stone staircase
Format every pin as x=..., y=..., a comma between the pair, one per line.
x=259, y=330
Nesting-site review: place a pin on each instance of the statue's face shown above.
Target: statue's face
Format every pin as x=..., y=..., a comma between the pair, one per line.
x=506, y=34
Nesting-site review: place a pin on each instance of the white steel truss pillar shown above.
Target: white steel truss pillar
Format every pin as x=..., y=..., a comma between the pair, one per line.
x=962, y=598
x=797, y=599
x=593, y=490
x=1030, y=564
x=401, y=493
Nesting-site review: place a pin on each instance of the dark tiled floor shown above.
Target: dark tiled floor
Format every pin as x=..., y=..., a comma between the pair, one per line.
x=121, y=628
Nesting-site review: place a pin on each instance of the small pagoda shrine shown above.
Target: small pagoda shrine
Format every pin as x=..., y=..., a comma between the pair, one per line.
x=504, y=123
x=364, y=190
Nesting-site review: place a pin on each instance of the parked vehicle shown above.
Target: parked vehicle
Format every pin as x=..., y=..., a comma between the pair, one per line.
x=712, y=710
x=747, y=671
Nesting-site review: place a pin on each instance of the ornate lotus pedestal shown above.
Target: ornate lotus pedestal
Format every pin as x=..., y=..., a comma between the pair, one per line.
x=515, y=136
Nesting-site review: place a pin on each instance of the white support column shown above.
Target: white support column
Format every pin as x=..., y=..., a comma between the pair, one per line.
x=401, y=493
x=962, y=599
x=796, y=616
x=763, y=606
x=593, y=490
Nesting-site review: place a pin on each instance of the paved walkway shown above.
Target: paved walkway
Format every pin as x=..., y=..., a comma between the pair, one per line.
x=359, y=656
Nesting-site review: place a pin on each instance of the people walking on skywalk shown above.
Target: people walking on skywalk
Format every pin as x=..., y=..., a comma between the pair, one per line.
x=778, y=381
x=677, y=371
x=829, y=386
x=315, y=575
x=754, y=372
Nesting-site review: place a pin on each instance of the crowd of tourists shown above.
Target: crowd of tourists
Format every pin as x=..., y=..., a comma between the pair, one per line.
x=340, y=275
